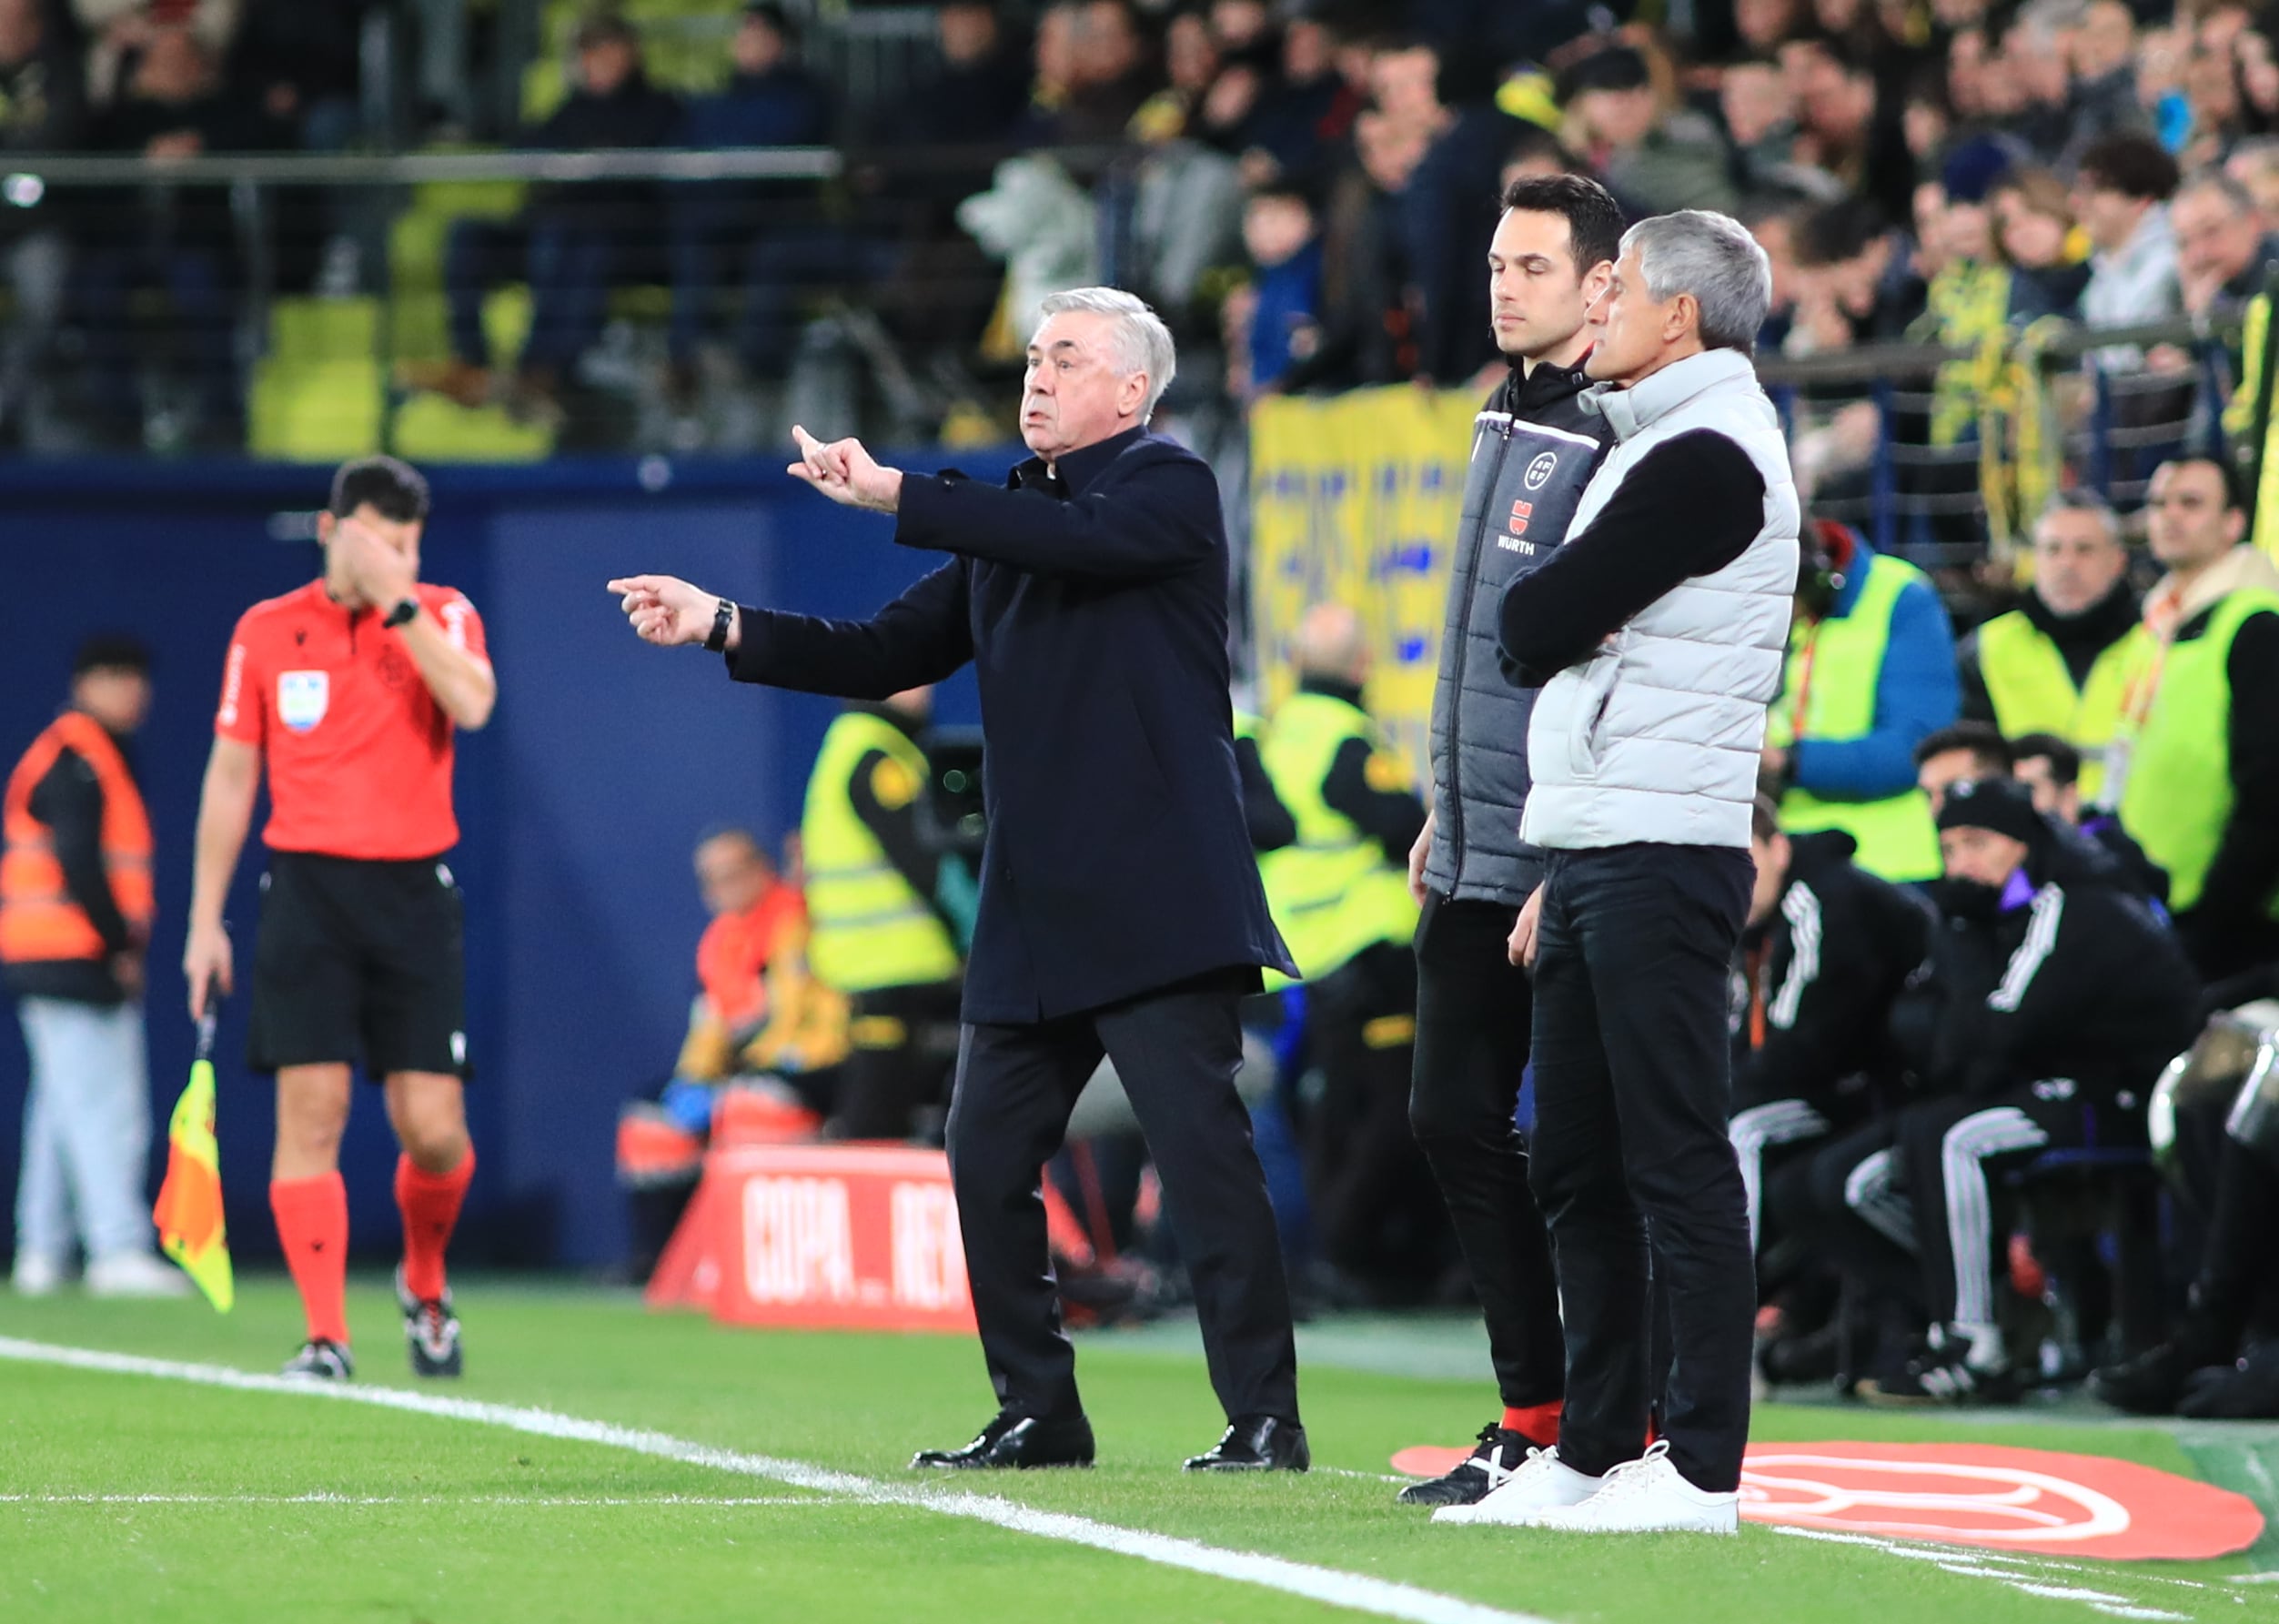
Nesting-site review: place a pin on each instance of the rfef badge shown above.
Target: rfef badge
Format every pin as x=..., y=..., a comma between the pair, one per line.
x=301, y=699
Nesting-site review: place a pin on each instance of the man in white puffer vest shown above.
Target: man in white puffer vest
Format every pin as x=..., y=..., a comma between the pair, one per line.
x=1656, y=635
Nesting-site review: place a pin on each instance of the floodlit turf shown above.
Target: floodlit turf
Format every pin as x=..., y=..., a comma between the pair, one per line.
x=441, y=1520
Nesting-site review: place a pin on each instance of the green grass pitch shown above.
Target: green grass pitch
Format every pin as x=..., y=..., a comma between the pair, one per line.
x=131, y=1497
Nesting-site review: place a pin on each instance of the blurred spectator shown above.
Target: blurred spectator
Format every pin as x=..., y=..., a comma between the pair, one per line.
x=2256, y=166
x=572, y=241
x=2121, y=199
x=771, y=227
x=1772, y=222
x=43, y=108
x=2218, y=106
x=2030, y=58
x=1309, y=113
x=1447, y=208
x=303, y=62
x=2034, y=234
x=1763, y=25
x=2059, y=663
x=2199, y=776
x=2104, y=78
x=1856, y=276
x=1092, y=73
x=1974, y=294
x=1284, y=309
x=1871, y=671
x=2221, y=244
x=978, y=96
x=177, y=240
x=1841, y=127
x=1653, y=160
x=1367, y=322
x=118, y=31
x=1536, y=151
x=1759, y=113
x=2052, y=769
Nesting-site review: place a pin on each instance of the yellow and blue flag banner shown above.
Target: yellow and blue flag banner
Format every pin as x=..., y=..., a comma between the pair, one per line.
x=1355, y=500
x=189, y=1213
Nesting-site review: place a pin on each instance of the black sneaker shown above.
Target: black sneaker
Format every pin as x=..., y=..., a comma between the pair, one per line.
x=321, y=1361
x=2153, y=1382
x=1500, y=1453
x=2246, y=1391
x=430, y=1329
x=1944, y=1373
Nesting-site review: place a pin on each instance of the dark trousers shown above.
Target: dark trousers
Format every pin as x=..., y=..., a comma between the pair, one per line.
x=570, y=268
x=1176, y=1050
x=1957, y=1152
x=1851, y=1201
x=1371, y=1192
x=902, y=1043
x=1473, y=1012
x=198, y=283
x=1632, y=1087
x=2234, y=1192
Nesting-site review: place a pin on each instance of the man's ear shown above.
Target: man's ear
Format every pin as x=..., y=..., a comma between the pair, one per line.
x=327, y=522
x=1131, y=394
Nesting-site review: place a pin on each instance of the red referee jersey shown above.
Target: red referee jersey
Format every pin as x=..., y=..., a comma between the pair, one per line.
x=358, y=753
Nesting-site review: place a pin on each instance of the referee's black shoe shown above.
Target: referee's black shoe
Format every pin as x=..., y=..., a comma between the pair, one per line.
x=430, y=1331
x=1501, y=1452
x=1256, y=1444
x=1013, y=1441
x=319, y=1360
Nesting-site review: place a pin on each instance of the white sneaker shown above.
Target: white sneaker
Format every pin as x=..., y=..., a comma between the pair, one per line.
x=37, y=1275
x=135, y=1274
x=1647, y=1495
x=1537, y=1484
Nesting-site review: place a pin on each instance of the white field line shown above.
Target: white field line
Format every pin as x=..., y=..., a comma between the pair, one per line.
x=1355, y=1591
x=320, y=1498
x=1972, y=1564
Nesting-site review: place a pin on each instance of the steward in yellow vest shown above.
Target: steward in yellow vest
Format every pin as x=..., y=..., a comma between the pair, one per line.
x=1871, y=671
x=1339, y=895
x=886, y=915
x=2198, y=755
x=2058, y=663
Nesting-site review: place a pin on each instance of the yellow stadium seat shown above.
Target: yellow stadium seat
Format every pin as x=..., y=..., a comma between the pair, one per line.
x=430, y=429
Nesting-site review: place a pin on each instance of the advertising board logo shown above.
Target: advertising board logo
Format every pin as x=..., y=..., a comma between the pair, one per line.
x=799, y=1241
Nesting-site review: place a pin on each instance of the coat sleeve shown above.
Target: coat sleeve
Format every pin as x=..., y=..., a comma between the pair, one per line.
x=1140, y=523
x=1917, y=693
x=919, y=638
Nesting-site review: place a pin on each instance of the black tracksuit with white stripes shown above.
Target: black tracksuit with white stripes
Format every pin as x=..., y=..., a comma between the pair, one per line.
x=1813, y=1004
x=2061, y=1003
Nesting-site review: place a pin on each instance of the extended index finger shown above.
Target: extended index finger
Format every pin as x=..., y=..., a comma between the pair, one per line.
x=633, y=583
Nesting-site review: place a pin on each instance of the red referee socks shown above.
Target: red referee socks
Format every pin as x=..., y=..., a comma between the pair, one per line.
x=312, y=1221
x=430, y=1203
x=1537, y=1423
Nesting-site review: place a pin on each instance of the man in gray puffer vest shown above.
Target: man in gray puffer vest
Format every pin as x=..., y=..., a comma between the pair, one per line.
x=1533, y=451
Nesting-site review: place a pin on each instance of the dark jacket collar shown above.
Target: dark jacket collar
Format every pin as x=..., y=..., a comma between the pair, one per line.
x=1545, y=385
x=1331, y=687
x=2102, y=623
x=1077, y=468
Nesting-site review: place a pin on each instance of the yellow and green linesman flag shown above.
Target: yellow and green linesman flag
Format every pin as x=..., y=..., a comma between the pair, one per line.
x=189, y=1210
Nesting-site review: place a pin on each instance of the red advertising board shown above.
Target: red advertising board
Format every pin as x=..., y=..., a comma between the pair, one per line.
x=838, y=1236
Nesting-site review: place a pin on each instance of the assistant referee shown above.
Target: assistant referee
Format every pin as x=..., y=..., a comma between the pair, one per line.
x=348, y=693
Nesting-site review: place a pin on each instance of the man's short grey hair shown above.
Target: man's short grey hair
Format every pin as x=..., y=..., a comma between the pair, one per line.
x=1713, y=257
x=1142, y=343
x=2078, y=500
x=2234, y=193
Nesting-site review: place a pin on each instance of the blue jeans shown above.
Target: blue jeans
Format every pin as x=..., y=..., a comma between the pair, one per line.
x=86, y=1131
x=570, y=268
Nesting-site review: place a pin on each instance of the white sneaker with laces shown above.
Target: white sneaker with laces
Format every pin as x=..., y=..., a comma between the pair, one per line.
x=37, y=1275
x=1537, y=1484
x=135, y=1274
x=1646, y=1495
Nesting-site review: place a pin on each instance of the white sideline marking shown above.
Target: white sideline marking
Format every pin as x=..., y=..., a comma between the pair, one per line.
x=321, y=1498
x=1967, y=1564
x=1355, y=1591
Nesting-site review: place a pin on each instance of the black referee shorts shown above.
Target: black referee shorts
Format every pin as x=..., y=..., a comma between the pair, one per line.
x=359, y=960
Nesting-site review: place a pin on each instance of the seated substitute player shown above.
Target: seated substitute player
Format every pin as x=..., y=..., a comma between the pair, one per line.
x=347, y=692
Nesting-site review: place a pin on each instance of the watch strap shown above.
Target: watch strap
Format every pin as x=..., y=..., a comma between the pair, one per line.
x=722, y=619
x=407, y=609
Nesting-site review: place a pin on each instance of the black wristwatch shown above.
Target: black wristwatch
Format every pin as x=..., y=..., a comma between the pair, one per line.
x=405, y=612
x=722, y=619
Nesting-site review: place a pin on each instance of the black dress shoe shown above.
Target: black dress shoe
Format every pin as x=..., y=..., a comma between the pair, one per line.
x=1258, y=1443
x=1014, y=1441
